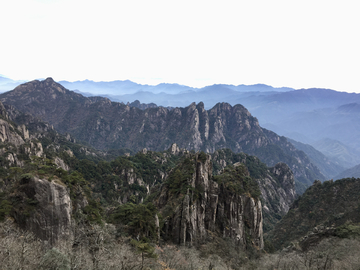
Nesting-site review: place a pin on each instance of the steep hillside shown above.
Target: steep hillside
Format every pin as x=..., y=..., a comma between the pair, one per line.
x=110, y=125
x=327, y=166
x=194, y=204
x=276, y=184
x=352, y=172
x=344, y=155
x=325, y=209
x=315, y=113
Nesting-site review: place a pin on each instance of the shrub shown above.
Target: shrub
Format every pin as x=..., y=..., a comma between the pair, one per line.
x=237, y=181
x=348, y=230
x=5, y=208
x=139, y=218
x=25, y=178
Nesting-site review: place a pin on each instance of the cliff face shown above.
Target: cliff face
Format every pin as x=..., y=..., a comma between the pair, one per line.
x=7, y=131
x=276, y=184
x=15, y=141
x=45, y=209
x=208, y=206
x=283, y=188
x=37, y=203
x=8, y=134
x=112, y=125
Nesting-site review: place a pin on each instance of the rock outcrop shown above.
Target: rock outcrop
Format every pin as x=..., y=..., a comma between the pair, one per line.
x=44, y=207
x=209, y=207
x=276, y=184
x=280, y=185
x=8, y=134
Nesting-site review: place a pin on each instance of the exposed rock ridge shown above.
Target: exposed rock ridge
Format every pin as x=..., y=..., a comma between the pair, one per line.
x=16, y=140
x=8, y=134
x=277, y=184
x=284, y=189
x=213, y=210
x=105, y=124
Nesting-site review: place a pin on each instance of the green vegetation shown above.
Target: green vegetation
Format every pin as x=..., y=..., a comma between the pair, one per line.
x=145, y=249
x=139, y=219
x=328, y=204
x=5, y=207
x=179, y=179
x=237, y=180
x=255, y=167
x=348, y=230
x=202, y=156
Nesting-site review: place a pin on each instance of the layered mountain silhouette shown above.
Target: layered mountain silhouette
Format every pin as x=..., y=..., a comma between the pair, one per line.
x=112, y=125
x=323, y=118
x=7, y=84
x=311, y=116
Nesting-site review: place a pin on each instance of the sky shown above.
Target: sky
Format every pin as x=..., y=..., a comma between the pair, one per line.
x=298, y=44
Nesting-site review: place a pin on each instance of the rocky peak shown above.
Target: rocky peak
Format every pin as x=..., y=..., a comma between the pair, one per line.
x=174, y=149
x=24, y=131
x=286, y=180
x=49, y=81
x=200, y=106
x=200, y=205
x=276, y=184
x=48, y=85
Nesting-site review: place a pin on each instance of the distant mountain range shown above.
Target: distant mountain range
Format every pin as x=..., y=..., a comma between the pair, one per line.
x=66, y=199
x=7, y=84
x=327, y=120
x=112, y=125
x=323, y=118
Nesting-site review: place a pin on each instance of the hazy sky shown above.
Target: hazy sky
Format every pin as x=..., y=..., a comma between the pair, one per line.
x=299, y=44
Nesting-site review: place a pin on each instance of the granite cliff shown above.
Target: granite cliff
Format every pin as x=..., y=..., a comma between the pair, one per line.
x=48, y=206
x=32, y=172
x=196, y=205
x=276, y=184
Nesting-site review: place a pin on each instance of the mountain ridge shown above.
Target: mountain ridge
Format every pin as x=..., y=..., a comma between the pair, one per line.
x=105, y=124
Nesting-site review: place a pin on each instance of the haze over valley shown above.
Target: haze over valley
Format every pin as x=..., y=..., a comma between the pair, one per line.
x=322, y=118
